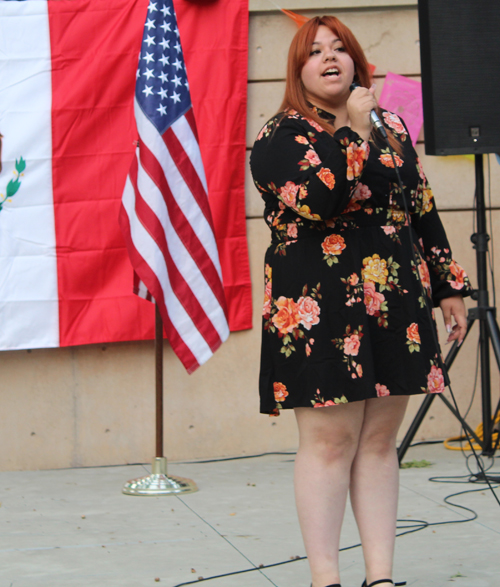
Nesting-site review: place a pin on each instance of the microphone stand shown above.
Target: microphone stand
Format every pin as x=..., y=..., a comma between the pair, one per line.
x=488, y=333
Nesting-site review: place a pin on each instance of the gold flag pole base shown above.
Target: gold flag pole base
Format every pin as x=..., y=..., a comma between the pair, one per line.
x=158, y=483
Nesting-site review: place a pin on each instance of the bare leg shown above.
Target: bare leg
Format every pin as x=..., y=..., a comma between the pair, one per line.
x=375, y=484
x=328, y=443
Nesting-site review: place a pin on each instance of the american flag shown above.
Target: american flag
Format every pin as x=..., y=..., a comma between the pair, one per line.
x=165, y=217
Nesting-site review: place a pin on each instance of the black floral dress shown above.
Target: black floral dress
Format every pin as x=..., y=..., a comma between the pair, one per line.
x=347, y=275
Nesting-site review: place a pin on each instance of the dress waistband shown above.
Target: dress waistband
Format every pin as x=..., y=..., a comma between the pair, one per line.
x=386, y=217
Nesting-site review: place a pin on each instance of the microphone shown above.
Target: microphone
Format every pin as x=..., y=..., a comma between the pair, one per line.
x=373, y=115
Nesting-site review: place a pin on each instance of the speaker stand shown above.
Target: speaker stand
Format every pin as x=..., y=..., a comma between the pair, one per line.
x=488, y=333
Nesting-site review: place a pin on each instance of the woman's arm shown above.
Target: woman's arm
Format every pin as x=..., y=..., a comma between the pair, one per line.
x=285, y=163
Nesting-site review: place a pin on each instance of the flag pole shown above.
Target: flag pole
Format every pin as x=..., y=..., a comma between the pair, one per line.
x=159, y=381
x=159, y=483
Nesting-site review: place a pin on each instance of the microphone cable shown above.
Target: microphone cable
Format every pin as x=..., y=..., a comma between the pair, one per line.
x=430, y=316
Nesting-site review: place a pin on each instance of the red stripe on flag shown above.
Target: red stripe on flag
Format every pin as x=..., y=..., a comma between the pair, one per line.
x=182, y=227
x=154, y=286
x=178, y=284
x=185, y=355
x=188, y=172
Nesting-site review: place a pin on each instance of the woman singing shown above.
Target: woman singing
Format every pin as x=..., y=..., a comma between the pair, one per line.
x=351, y=276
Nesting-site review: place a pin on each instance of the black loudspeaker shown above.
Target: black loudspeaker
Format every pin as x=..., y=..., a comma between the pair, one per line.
x=460, y=58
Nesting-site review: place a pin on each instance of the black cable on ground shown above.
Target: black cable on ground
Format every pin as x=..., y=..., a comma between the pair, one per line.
x=415, y=526
x=238, y=458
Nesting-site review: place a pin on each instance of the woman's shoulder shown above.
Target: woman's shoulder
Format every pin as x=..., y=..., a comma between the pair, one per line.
x=287, y=120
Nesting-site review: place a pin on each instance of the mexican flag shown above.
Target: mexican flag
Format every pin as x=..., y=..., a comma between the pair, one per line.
x=67, y=81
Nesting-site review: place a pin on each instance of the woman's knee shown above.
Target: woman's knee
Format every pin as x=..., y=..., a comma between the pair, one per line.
x=330, y=434
x=383, y=417
x=331, y=446
x=380, y=442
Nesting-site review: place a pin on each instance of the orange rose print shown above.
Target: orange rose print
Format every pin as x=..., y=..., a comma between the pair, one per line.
x=382, y=390
x=302, y=140
x=288, y=193
x=333, y=245
x=398, y=216
x=324, y=405
x=315, y=125
x=268, y=273
x=427, y=204
x=362, y=192
x=287, y=318
x=386, y=160
x=351, y=345
x=312, y=157
x=459, y=275
x=280, y=391
x=319, y=402
x=394, y=122
x=308, y=311
x=305, y=211
x=373, y=299
x=412, y=333
x=356, y=156
x=266, y=310
x=375, y=269
x=435, y=380
x=291, y=230
x=327, y=177
x=425, y=277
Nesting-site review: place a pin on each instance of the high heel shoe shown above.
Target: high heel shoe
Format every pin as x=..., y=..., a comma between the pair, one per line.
x=382, y=581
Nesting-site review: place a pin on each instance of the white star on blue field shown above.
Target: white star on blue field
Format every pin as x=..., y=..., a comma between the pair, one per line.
x=162, y=89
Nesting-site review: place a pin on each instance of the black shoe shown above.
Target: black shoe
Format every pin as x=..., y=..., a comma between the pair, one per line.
x=382, y=581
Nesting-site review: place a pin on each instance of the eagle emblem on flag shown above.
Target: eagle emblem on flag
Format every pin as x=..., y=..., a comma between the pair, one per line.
x=14, y=184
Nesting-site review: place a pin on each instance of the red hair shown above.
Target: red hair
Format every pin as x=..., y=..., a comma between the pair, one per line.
x=298, y=54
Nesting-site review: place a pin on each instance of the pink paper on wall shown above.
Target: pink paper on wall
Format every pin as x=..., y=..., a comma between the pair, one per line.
x=403, y=96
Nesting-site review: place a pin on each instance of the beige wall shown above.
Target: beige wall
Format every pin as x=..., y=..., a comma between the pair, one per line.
x=94, y=405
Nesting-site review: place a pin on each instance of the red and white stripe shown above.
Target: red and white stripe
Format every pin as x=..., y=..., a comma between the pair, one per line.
x=167, y=224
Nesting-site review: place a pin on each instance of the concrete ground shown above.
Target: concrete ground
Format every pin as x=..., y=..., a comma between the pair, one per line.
x=75, y=528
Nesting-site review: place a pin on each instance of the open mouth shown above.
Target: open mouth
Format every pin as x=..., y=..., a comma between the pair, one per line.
x=333, y=71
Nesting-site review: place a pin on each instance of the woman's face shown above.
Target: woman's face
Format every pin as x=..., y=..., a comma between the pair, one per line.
x=328, y=72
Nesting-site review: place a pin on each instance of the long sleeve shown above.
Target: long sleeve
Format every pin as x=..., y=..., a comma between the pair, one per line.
x=314, y=181
x=447, y=277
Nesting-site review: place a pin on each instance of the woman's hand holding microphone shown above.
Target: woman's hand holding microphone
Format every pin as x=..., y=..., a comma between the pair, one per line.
x=359, y=105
